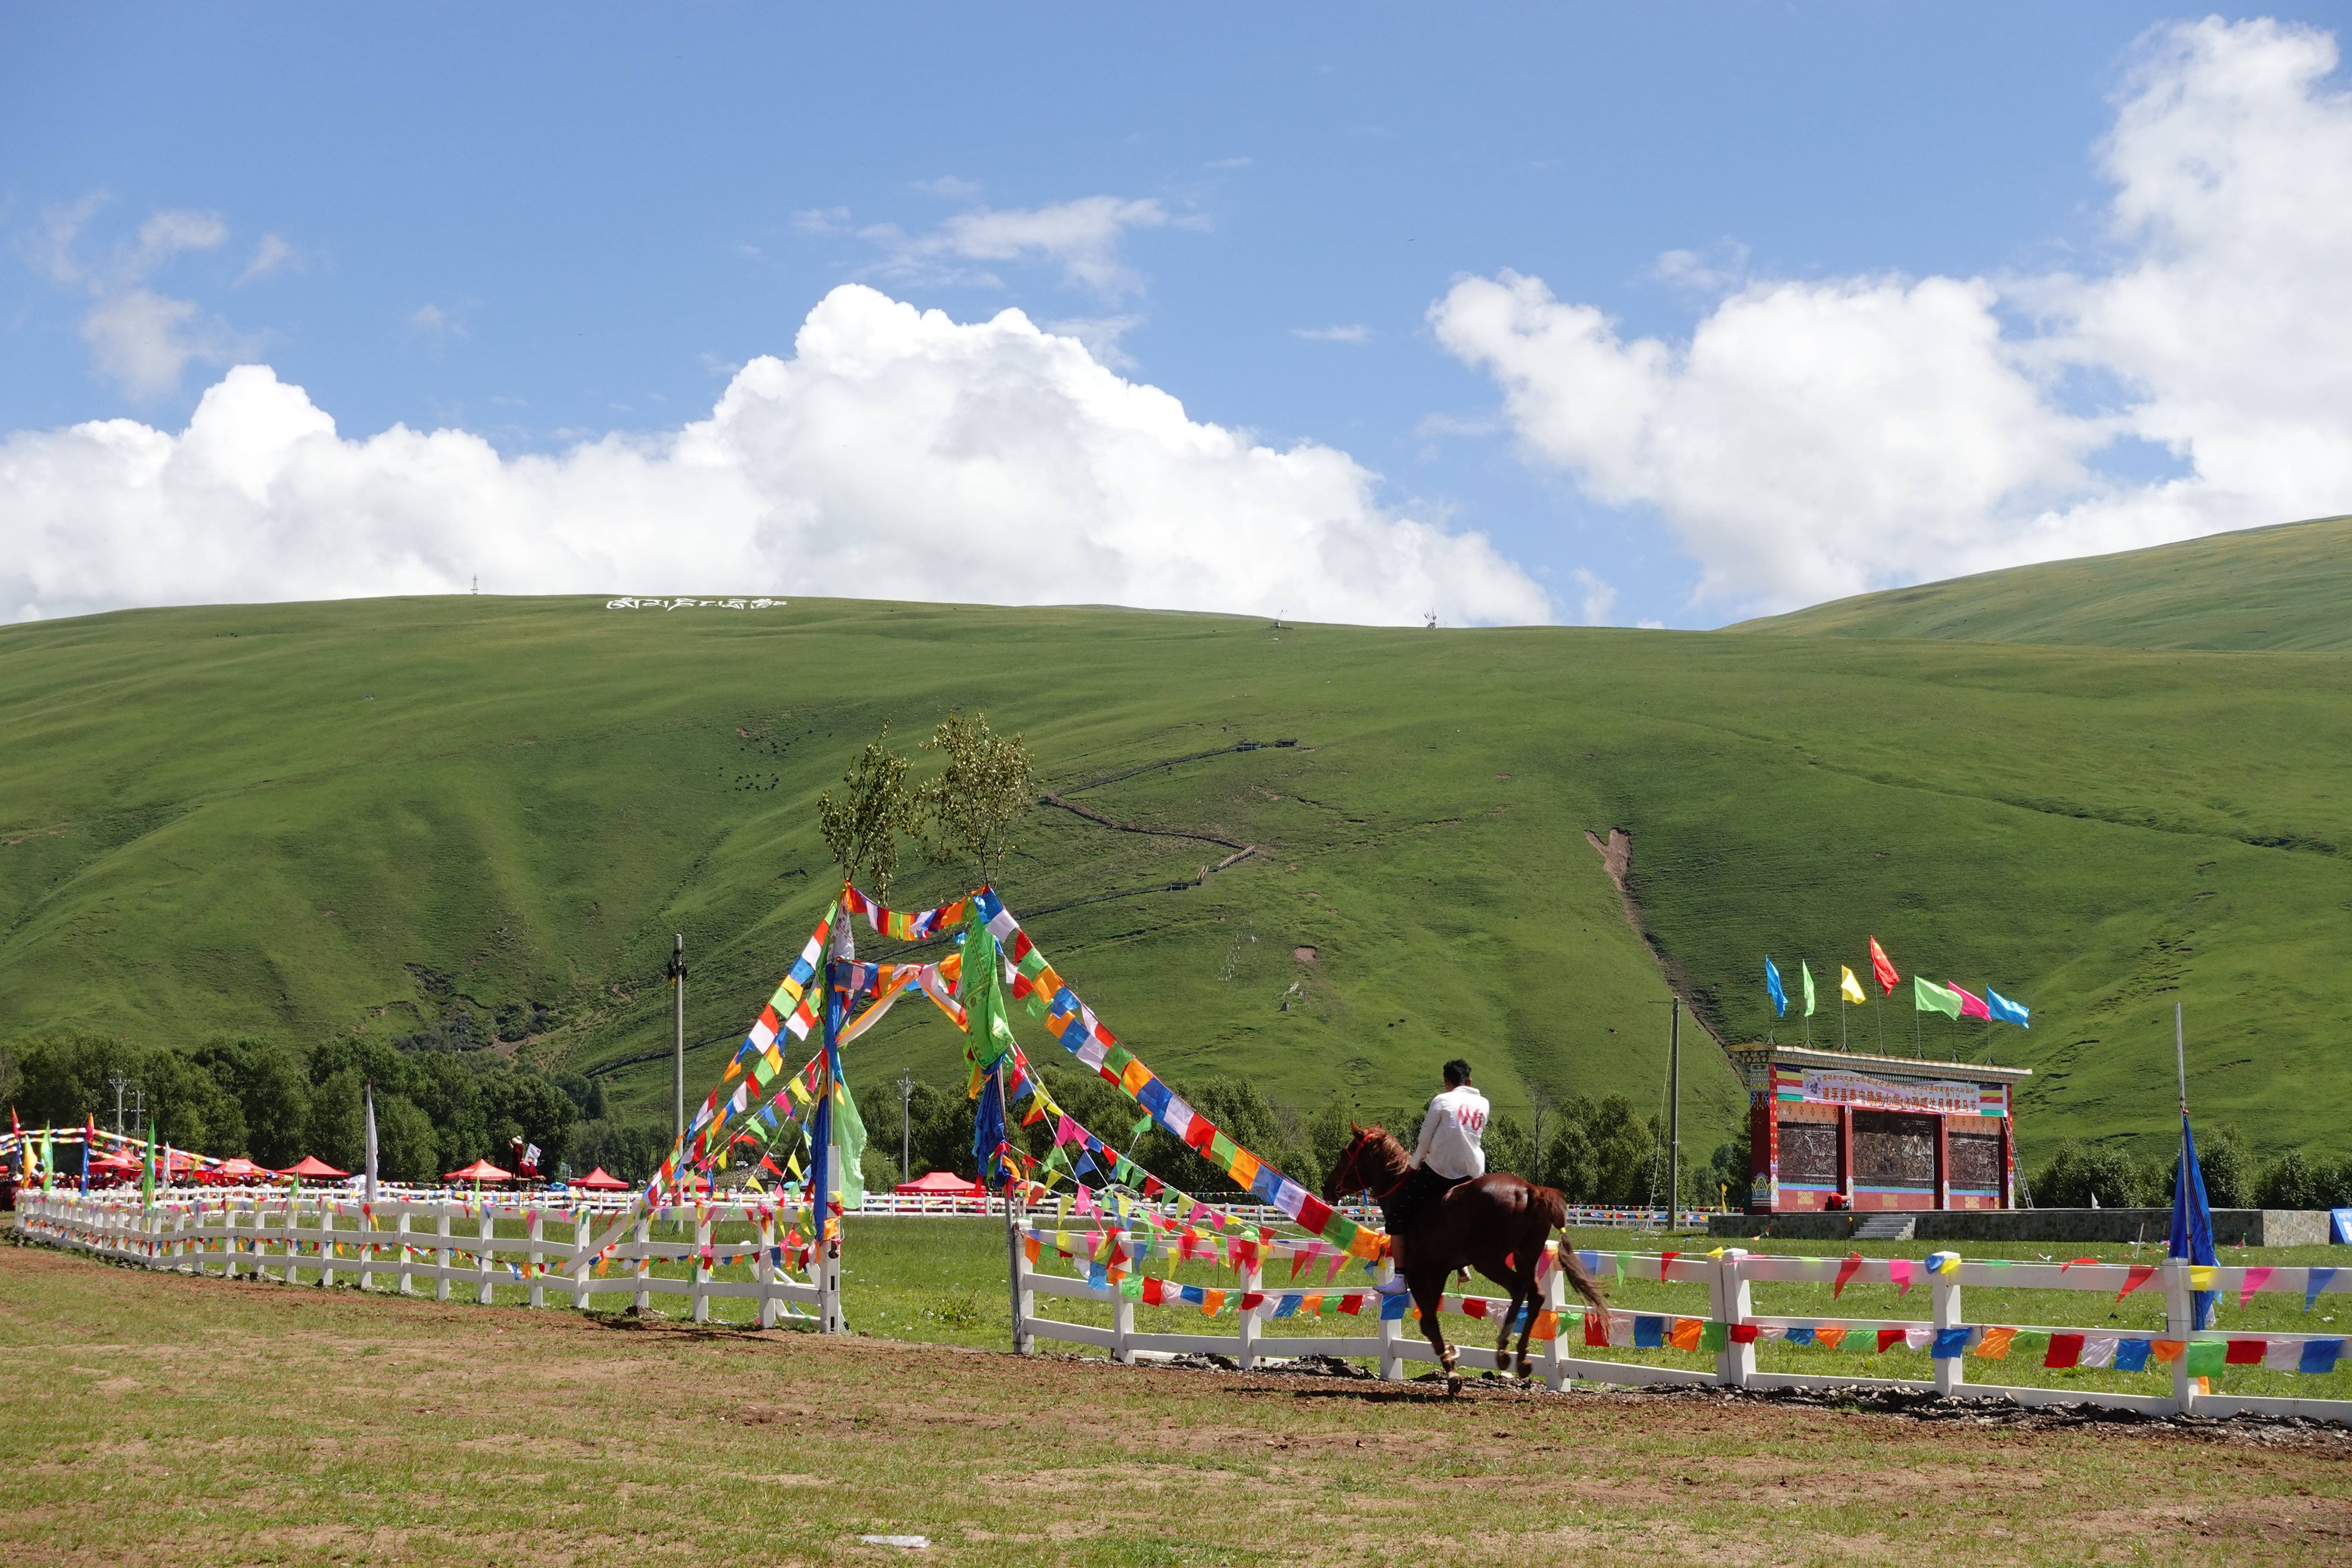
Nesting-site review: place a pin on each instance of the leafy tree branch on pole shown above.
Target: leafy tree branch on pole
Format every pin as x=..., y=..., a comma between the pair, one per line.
x=968, y=812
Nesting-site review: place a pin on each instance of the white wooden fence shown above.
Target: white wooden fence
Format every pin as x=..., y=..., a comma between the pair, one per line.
x=454, y=1244
x=1728, y=1278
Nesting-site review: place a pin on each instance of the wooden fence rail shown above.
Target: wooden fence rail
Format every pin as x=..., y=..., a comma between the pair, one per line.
x=453, y=1245
x=1728, y=1278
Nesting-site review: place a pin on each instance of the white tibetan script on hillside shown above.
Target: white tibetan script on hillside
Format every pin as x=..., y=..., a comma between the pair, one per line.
x=693, y=604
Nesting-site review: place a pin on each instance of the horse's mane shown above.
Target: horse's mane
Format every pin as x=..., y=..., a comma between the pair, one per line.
x=1380, y=1142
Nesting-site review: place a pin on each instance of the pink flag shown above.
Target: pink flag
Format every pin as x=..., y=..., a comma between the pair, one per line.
x=2253, y=1282
x=1971, y=1005
x=1898, y=1273
x=1068, y=1131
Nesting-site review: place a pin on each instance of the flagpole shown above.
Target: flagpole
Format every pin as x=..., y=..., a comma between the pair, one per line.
x=2180, y=1056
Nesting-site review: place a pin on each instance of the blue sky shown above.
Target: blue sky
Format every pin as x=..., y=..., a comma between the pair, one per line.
x=542, y=225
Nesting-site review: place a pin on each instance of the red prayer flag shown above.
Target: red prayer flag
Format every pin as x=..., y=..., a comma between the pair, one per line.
x=2245, y=1353
x=1848, y=1266
x=1743, y=1333
x=1883, y=968
x=2065, y=1350
x=2141, y=1273
x=1888, y=1339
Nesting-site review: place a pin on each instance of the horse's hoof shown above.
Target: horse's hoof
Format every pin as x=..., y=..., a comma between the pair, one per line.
x=1454, y=1385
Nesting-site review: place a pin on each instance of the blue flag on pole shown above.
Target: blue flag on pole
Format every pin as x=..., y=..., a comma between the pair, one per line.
x=2192, y=1220
x=2006, y=1011
x=1772, y=987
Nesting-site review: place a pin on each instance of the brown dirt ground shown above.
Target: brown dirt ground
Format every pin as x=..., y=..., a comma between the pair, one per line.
x=212, y=1421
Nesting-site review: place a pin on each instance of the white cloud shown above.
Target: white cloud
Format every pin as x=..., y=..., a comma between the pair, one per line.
x=1817, y=438
x=897, y=453
x=138, y=338
x=272, y=254
x=1101, y=334
x=1080, y=237
x=1599, y=597
x=1333, y=334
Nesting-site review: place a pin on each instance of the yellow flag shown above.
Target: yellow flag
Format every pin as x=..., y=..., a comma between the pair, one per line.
x=1849, y=987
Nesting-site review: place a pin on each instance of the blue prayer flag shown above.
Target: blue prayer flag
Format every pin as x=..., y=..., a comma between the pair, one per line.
x=1285, y=1306
x=1772, y=989
x=1393, y=1306
x=1649, y=1333
x=2192, y=1221
x=2319, y=1355
x=2315, y=1281
x=2131, y=1355
x=1801, y=1336
x=1951, y=1342
x=2006, y=1011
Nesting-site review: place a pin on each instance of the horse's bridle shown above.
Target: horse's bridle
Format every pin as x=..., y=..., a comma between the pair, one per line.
x=1354, y=1167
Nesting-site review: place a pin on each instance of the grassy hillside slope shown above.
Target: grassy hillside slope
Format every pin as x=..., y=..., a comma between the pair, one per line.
x=303, y=819
x=2288, y=588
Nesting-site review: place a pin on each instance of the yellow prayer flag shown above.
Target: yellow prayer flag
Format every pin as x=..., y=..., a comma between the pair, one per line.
x=1849, y=987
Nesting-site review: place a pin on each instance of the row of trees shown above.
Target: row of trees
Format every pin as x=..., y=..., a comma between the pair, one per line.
x=1595, y=1152
x=436, y=1109
x=2076, y=1175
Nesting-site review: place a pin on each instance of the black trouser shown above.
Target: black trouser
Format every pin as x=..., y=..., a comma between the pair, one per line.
x=1421, y=1188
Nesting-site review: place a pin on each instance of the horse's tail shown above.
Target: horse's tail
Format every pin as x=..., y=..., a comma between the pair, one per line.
x=1554, y=1209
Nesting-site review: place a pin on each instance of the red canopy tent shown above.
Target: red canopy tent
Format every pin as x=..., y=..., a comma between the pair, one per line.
x=239, y=1168
x=117, y=1165
x=479, y=1171
x=600, y=1181
x=940, y=1185
x=315, y=1169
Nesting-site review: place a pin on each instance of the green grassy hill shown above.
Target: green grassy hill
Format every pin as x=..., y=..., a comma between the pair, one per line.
x=301, y=820
x=2288, y=588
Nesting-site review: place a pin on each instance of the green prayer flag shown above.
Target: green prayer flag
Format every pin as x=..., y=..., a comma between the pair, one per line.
x=2206, y=1357
x=849, y=1148
x=1806, y=970
x=988, y=1034
x=1929, y=997
x=147, y=1172
x=1142, y=1126
x=1712, y=1336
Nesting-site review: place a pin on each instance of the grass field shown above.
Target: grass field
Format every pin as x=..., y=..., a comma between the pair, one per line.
x=2278, y=588
x=305, y=819
x=204, y=1421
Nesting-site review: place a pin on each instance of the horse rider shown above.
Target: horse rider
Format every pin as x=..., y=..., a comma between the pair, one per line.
x=1450, y=1151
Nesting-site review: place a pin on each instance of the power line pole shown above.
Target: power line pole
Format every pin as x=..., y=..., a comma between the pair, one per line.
x=905, y=1123
x=1674, y=1118
x=677, y=972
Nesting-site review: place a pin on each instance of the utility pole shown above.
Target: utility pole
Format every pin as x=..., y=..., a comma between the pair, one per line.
x=119, y=1083
x=677, y=972
x=1674, y=1118
x=905, y=1123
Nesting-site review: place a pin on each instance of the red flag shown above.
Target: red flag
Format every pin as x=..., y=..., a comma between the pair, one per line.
x=1848, y=1266
x=1883, y=968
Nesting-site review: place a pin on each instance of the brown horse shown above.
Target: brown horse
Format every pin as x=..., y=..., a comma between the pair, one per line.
x=1496, y=1224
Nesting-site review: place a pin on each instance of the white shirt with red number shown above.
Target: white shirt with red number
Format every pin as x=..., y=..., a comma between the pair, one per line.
x=1450, y=1134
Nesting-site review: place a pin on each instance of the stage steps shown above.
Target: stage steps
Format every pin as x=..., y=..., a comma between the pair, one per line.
x=1886, y=1226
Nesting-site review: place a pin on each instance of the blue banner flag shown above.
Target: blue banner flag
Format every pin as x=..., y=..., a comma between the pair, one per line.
x=2192, y=1221
x=1772, y=988
x=2005, y=1011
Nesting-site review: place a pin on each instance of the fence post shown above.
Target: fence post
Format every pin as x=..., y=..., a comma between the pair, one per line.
x=328, y=1210
x=1391, y=1332
x=1945, y=1294
x=1254, y=1280
x=1555, y=1301
x=1025, y=1299
x=2179, y=1323
x=702, y=1274
x=485, y=1259
x=763, y=1266
x=443, y=1254
x=367, y=1246
x=537, y=1232
x=401, y=1228
x=1734, y=1364
x=643, y=1238
x=582, y=1257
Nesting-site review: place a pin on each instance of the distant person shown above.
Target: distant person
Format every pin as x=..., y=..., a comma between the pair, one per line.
x=1451, y=1150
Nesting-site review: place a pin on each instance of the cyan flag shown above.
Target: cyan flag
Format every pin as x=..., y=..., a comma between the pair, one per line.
x=2006, y=1011
x=1772, y=988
